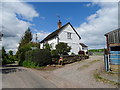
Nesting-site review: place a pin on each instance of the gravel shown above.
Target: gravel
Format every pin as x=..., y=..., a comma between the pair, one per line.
x=71, y=77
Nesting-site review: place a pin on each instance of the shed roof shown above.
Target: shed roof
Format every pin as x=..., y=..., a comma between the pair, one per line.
x=117, y=30
x=113, y=36
x=55, y=33
x=83, y=45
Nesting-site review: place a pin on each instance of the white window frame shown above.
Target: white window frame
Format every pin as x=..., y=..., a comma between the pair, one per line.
x=69, y=35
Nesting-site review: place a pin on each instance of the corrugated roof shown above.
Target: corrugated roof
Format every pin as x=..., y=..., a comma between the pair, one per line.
x=117, y=30
x=83, y=45
x=55, y=33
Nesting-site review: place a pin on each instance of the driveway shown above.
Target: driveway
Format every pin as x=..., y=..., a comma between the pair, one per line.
x=78, y=75
x=20, y=77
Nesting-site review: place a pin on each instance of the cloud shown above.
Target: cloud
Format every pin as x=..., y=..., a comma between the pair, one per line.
x=12, y=26
x=91, y=17
x=104, y=20
x=89, y=4
x=43, y=18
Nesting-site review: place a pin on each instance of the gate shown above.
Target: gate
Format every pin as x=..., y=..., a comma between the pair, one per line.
x=115, y=57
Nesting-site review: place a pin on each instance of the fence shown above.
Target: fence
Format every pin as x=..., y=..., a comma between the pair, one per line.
x=112, y=60
x=73, y=58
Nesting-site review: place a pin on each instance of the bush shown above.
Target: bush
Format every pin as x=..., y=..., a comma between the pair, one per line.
x=55, y=56
x=63, y=48
x=30, y=64
x=22, y=51
x=21, y=58
x=40, y=56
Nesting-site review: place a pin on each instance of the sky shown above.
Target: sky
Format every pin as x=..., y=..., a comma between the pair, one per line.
x=90, y=19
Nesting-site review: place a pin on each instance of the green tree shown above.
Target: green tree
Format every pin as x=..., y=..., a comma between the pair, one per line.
x=63, y=48
x=24, y=46
x=26, y=38
x=47, y=46
x=22, y=52
x=54, y=52
x=11, y=52
x=4, y=56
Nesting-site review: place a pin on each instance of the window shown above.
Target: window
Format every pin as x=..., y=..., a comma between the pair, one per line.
x=116, y=48
x=69, y=35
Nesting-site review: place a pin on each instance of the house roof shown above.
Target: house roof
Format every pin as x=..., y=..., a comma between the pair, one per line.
x=83, y=45
x=55, y=33
x=117, y=30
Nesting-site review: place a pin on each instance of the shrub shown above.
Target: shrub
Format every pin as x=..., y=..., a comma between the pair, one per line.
x=30, y=64
x=47, y=46
x=63, y=48
x=22, y=51
x=54, y=53
x=21, y=58
x=40, y=56
x=55, y=56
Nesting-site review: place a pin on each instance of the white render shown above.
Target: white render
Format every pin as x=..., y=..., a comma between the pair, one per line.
x=63, y=37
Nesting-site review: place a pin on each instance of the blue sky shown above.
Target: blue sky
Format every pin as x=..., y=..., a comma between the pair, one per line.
x=76, y=13
x=90, y=19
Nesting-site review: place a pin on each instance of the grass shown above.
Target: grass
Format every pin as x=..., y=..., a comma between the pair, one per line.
x=93, y=61
x=99, y=78
x=83, y=67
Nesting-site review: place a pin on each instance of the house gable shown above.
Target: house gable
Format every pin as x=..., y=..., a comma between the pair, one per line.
x=55, y=33
x=69, y=34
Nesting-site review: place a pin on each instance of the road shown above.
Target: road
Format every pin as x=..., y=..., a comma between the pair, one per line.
x=74, y=75
x=19, y=77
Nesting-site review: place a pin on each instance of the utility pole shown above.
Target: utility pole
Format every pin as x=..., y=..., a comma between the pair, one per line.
x=1, y=35
x=36, y=38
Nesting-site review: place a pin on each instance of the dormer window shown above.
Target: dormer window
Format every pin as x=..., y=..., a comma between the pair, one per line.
x=69, y=35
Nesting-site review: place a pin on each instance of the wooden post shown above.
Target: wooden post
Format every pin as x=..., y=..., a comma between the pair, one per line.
x=107, y=43
x=109, y=61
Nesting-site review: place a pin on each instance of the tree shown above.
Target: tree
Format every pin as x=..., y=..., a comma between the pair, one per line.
x=63, y=48
x=4, y=56
x=47, y=46
x=11, y=52
x=26, y=38
x=24, y=45
x=22, y=51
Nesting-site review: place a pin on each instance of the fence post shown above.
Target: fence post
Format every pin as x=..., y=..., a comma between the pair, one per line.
x=109, y=62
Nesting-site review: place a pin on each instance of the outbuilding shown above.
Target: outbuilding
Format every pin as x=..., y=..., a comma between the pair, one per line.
x=112, y=54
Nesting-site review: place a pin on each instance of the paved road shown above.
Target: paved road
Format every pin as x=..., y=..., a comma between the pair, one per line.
x=19, y=77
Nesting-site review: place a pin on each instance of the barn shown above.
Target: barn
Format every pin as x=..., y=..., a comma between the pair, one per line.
x=112, y=54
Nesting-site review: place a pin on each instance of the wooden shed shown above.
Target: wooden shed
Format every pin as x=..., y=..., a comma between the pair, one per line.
x=112, y=55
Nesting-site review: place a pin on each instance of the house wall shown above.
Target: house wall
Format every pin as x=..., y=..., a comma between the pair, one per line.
x=84, y=48
x=73, y=42
x=53, y=42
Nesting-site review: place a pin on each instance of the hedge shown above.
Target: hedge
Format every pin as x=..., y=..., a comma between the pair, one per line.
x=40, y=56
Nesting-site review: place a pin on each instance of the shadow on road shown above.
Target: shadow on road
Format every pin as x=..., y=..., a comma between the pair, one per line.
x=11, y=69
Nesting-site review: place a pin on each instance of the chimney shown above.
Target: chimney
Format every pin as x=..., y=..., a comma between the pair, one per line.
x=59, y=24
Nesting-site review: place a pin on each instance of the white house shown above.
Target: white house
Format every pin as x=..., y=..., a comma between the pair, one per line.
x=66, y=34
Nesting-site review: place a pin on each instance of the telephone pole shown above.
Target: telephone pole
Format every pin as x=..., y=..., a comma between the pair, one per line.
x=36, y=37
